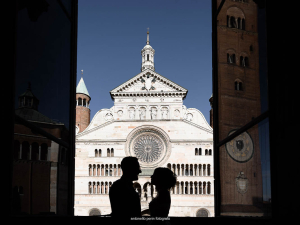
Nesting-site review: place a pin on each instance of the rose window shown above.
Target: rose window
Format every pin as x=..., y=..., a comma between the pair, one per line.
x=148, y=148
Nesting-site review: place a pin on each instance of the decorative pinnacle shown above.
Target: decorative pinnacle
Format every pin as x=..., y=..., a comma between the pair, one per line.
x=148, y=42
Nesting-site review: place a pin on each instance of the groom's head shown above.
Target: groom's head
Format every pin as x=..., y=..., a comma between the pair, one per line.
x=131, y=167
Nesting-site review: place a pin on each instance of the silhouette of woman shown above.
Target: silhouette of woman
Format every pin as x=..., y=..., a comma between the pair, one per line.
x=163, y=179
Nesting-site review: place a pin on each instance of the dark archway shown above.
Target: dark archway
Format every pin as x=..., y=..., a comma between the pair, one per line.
x=202, y=213
x=95, y=212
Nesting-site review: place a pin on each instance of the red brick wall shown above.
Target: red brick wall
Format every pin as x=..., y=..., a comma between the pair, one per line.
x=82, y=113
x=237, y=108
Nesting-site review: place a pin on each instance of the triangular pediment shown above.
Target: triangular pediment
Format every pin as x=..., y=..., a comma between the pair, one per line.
x=148, y=82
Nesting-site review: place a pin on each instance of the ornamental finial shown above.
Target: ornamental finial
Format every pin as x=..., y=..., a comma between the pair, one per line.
x=148, y=42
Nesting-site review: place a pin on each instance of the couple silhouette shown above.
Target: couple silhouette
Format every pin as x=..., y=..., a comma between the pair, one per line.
x=125, y=201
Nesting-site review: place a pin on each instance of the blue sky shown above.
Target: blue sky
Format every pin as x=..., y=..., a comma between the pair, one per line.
x=112, y=33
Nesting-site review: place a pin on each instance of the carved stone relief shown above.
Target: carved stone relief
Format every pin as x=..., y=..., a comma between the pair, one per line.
x=131, y=112
x=176, y=112
x=108, y=116
x=164, y=113
x=153, y=113
x=189, y=117
x=120, y=113
x=142, y=113
x=241, y=183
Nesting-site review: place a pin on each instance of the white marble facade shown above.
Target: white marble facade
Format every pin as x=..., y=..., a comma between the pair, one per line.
x=149, y=121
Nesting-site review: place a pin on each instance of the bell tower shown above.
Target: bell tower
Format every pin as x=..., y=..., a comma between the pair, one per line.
x=147, y=56
x=82, y=107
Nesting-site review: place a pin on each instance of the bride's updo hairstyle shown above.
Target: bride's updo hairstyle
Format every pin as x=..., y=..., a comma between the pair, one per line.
x=165, y=177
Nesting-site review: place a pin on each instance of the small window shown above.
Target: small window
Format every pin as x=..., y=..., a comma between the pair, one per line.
x=251, y=48
x=238, y=86
x=246, y=61
x=230, y=58
x=233, y=22
x=147, y=57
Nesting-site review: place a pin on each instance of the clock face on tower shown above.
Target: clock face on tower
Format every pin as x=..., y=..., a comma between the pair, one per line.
x=241, y=148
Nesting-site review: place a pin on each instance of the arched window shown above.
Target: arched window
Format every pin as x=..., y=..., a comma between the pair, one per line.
x=208, y=170
x=242, y=61
x=238, y=86
x=110, y=170
x=200, y=188
x=99, y=152
x=206, y=152
x=246, y=61
x=196, y=151
x=90, y=170
x=210, y=152
x=84, y=102
x=112, y=152
x=251, y=48
x=200, y=151
x=230, y=58
x=94, y=188
x=108, y=152
x=233, y=22
x=80, y=101
x=208, y=187
x=96, y=153
x=90, y=188
x=169, y=166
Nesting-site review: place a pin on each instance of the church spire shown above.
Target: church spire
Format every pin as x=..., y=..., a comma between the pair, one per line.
x=147, y=55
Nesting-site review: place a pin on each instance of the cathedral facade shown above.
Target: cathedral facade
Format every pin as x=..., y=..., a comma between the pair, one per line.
x=149, y=121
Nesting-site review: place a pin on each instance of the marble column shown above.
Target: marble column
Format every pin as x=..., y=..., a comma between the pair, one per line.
x=180, y=188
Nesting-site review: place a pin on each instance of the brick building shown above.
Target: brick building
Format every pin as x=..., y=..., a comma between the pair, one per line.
x=40, y=165
x=239, y=101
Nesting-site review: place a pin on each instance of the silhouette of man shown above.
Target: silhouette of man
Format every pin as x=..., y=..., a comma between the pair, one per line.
x=124, y=200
